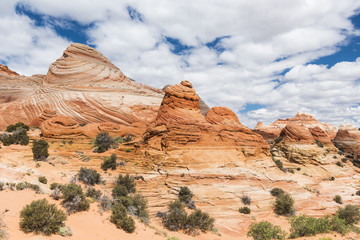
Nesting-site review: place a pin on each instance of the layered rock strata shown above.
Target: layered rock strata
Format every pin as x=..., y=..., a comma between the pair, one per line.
x=179, y=124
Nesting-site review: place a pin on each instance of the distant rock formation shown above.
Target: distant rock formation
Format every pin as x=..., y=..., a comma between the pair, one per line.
x=179, y=124
x=348, y=139
x=81, y=84
x=7, y=71
x=272, y=131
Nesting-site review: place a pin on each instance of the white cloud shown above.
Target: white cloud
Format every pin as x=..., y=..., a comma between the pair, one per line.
x=265, y=37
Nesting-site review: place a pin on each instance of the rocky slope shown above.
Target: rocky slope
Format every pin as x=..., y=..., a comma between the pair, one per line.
x=83, y=85
x=348, y=139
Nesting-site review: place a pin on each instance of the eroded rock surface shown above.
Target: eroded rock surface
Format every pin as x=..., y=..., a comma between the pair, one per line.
x=83, y=85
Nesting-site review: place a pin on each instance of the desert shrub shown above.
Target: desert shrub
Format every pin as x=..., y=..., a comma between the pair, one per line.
x=127, y=181
x=245, y=210
x=93, y=193
x=357, y=193
x=176, y=217
x=356, y=163
x=7, y=139
x=23, y=185
x=185, y=196
x=109, y=163
x=10, y=128
x=20, y=137
x=350, y=214
x=40, y=150
x=279, y=164
x=55, y=185
x=303, y=226
x=104, y=203
x=74, y=198
x=41, y=217
x=56, y=193
x=199, y=220
x=246, y=199
x=339, y=225
x=42, y=179
x=284, y=204
x=278, y=139
x=120, y=219
x=320, y=144
x=265, y=231
x=119, y=191
x=344, y=160
x=338, y=199
x=89, y=176
x=21, y=125
x=339, y=164
x=1, y=186
x=138, y=207
x=103, y=142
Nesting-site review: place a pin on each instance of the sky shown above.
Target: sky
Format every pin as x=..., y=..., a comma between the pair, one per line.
x=264, y=59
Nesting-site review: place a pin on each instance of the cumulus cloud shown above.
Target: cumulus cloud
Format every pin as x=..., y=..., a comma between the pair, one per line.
x=234, y=52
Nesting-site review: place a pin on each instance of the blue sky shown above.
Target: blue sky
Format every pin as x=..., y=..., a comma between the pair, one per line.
x=264, y=59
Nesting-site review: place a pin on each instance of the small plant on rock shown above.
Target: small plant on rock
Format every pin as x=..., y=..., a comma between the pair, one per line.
x=338, y=199
x=42, y=179
x=284, y=204
x=246, y=199
x=245, y=210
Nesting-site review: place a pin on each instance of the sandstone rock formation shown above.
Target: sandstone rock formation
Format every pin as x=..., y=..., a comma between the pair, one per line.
x=272, y=131
x=83, y=85
x=300, y=144
x=7, y=71
x=180, y=124
x=348, y=139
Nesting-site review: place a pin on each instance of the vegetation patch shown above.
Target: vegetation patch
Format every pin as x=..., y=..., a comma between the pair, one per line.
x=41, y=217
x=265, y=231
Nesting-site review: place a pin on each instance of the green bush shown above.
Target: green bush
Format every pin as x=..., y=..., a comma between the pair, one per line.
x=65, y=232
x=279, y=164
x=338, y=199
x=320, y=144
x=10, y=128
x=42, y=179
x=41, y=217
x=55, y=185
x=176, y=217
x=284, y=204
x=121, y=220
x=276, y=192
x=138, y=207
x=23, y=185
x=103, y=142
x=109, y=163
x=74, y=198
x=265, y=231
x=304, y=226
x=89, y=176
x=119, y=191
x=185, y=195
x=245, y=210
x=127, y=181
x=350, y=214
x=7, y=139
x=40, y=150
x=199, y=220
x=93, y=193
